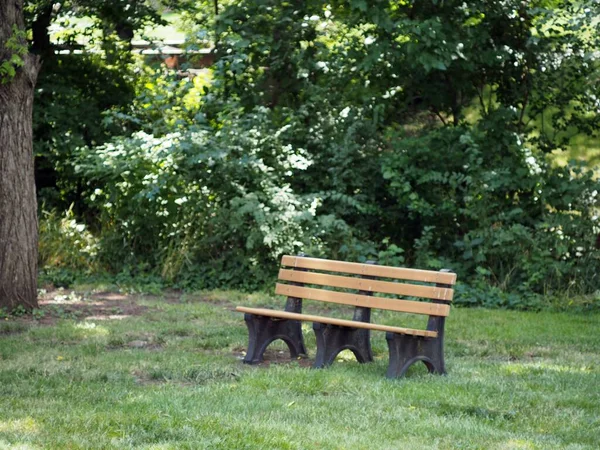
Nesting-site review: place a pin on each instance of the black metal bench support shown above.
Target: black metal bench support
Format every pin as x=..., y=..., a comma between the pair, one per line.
x=405, y=350
x=264, y=330
x=332, y=339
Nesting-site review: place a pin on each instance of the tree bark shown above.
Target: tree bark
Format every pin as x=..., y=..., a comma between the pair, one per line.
x=18, y=204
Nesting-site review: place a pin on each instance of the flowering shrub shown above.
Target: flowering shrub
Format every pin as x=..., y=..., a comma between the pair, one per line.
x=199, y=197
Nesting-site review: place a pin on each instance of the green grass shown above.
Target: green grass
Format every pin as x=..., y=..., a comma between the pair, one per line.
x=171, y=378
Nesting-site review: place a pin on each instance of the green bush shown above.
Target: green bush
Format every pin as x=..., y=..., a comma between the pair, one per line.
x=495, y=212
x=212, y=203
x=72, y=95
x=66, y=243
x=67, y=249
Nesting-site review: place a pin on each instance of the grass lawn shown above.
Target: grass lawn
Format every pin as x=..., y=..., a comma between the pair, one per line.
x=105, y=370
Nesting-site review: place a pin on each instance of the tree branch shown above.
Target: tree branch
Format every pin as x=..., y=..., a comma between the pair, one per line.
x=439, y=115
x=41, y=38
x=525, y=102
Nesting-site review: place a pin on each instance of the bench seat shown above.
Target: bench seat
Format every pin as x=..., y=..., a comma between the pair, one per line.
x=332, y=321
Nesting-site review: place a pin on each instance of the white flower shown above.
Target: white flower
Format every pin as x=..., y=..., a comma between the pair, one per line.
x=181, y=201
x=369, y=40
x=344, y=112
x=323, y=66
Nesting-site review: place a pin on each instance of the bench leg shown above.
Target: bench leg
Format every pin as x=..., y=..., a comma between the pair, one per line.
x=332, y=339
x=263, y=330
x=405, y=350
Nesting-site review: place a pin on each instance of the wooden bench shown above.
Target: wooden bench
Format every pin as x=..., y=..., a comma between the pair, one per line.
x=299, y=275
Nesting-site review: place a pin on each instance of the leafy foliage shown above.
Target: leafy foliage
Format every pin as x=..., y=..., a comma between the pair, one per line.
x=521, y=225
x=87, y=71
x=413, y=133
x=199, y=198
x=16, y=50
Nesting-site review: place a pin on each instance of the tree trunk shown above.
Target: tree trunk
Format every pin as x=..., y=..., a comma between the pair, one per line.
x=41, y=44
x=18, y=205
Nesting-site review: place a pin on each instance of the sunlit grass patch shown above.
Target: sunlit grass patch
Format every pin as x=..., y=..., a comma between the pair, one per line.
x=24, y=426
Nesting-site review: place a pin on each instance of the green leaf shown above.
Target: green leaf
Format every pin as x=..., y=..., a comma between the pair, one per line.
x=360, y=4
x=437, y=64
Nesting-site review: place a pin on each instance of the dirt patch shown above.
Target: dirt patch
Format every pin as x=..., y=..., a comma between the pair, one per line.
x=66, y=304
x=57, y=304
x=142, y=377
x=211, y=299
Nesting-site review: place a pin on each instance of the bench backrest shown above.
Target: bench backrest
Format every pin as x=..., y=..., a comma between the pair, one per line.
x=435, y=296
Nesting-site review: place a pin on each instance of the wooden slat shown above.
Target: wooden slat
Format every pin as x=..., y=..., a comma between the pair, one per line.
x=340, y=322
x=365, y=284
x=400, y=273
x=367, y=301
